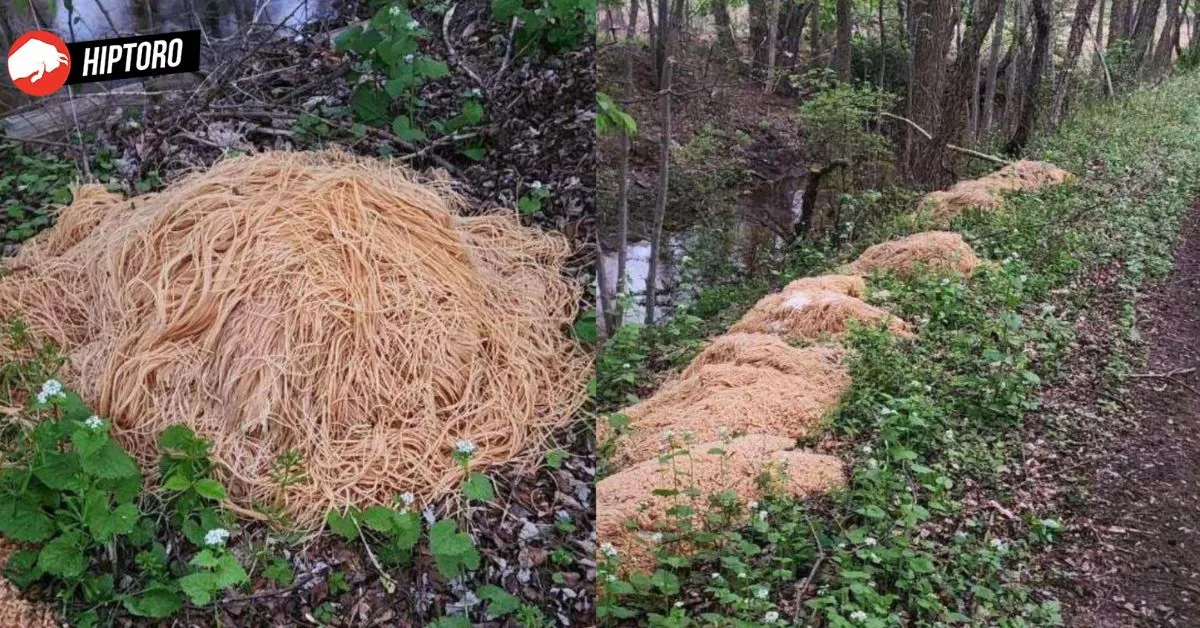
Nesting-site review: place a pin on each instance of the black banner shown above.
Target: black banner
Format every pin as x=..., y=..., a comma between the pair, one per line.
x=134, y=57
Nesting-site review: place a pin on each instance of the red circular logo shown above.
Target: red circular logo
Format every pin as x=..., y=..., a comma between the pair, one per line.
x=39, y=63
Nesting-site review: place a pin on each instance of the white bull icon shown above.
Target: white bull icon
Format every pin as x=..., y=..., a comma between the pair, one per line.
x=33, y=59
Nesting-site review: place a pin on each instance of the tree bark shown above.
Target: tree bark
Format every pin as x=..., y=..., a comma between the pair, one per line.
x=1041, y=53
x=1143, y=32
x=1079, y=26
x=791, y=29
x=989, y=96
x=631, y=28
x=1118, y=21
x=814, y=34
x=959, y=88
x=664, y=166
x=932, y=35
x=720, y=11
x=1166, y=41
x=772, y=42
x=843, y=50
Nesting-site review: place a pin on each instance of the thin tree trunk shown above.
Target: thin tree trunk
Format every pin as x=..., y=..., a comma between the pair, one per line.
x=654, y=46
x=1041, y=53
x=1018, y=55
x=814, y=34
x=617, y=306
x=664, y=168
x=1098, y=37
x=1079, y=26
x=842, y=51
x=989, y=97
x=772, y=42
x=631, y=28
x=605, y=298
x=1117, y=17
x=882, y=47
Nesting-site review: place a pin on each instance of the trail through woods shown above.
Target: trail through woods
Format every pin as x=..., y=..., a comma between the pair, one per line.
x=1145, y=504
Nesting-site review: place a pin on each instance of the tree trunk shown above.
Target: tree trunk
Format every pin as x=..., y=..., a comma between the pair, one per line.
x=618, y=315
x=1143, y=32
x=842, y=52
x=772, y=42
x=989, y=97
x=1166, y=41
x=792, y=29
x=631, y=28
x=720, y=11
x=1041, y=53
x=959, y=87
x=653, y=37
x=814, y=34
x=933, y=32
x=1079, y=26
x=664, y=166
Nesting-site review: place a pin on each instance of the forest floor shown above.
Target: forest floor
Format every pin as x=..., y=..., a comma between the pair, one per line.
x=1143, y=564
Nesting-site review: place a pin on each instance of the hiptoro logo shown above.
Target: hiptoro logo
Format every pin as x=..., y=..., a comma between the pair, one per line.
x=39, y=63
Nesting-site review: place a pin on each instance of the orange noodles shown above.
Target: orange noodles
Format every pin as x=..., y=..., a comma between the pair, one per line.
x=337, y=307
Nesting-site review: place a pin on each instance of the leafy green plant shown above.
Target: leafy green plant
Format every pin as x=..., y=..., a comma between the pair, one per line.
x=553, y=26
x=391, y=70
x=453, y=552
x=531, y=203
x=391, y=533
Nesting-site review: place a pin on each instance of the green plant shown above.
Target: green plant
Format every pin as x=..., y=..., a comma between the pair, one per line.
x=453, y=552
x=391, y=70
x=531, y=203
x=554, y=26
x=390, y=533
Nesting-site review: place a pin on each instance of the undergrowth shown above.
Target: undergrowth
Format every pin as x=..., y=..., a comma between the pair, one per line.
x=928, y=427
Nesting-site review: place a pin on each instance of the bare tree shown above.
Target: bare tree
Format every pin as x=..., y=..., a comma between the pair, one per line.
x=989, y=97
x=1166, y=41
x=772, y=41
x=814, y=34
x=1079, y=26
x=1118, y=21
x=1037, y=67
x=723, y=26
x=664, y=161
x=842, y=50
x=631, y=27
x=1143, y=31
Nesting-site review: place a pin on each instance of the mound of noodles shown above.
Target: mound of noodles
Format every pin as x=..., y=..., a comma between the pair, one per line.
x=314, y=303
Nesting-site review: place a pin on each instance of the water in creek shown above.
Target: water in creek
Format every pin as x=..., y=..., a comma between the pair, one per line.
x=80, y=20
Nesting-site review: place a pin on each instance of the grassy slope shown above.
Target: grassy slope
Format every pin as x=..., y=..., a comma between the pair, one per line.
x=933, y=429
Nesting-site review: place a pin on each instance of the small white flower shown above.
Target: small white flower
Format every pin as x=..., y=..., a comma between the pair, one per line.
x=716, y=576
x=761, y=592
x=537, y=185
x=626, y=365
x=762, y=515
x=945, y=282
x=394, y=11
x=771, y=617
x=841, y=545
x=408, y=58
x=679, y=604
x=752, y=505
x=611, y=577
x=52, y=388
x=655, y=537
x=413, y=25
x=94, y=422
x=998, y=545
x=562, y=516
x=608, y=550
x=870, y=541
x=475, y=92
x=667, y=435
x=722, y=431
x=858, y=616
x=873, y=463
x=948, y=435
x=216, y=537
x=741, y=574
x=407, y=498
x=867, y=449
x=465, y=447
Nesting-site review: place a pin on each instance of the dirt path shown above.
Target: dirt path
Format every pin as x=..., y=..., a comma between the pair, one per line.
x=1146, y=501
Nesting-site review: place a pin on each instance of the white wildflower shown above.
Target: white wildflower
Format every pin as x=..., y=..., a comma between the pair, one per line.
x=611, y=577
x=475, y=92
x=394, y=11
x=655, y=537
x=413, y=25
x=465, y=447
x=873, y=463
x=762, y=515
x=998, y=545
x=858, y=616
x=52, y=388
x=94, y=422
x=608, y=550
x=752, y=505
x=867, y=449
x=216, y=537
x=870, y=541
x=722, y=431
x=667, y=435
x=679, y=604
x=761, y=592
x=407, y=498
x=408, y=58
x=537, y=185
x=716, y=576
x=562, y=516
x=771, y=617
x=741, y=574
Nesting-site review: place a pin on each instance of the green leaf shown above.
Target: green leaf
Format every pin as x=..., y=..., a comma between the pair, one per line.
x=453, y=552
x=156, y=602
x=229, y=572
x=280, y=571
x=476, y=153
x=178, y=437
x=104, y=523
x=204, y=558
x=379, y=518
x=478, y=487
x=199, y=587
x=344, y=526
x=370, y=104
x=403, y=129
x=472, y=113
x=177, y=482
x=110, y=462
x=500, y=602
x=73, y=407
x=21, y=568
x=555, y=458
x=25, y=522
x=430, y=68
x=88, y=441
x=452, y=621
x=210, y=489
x=63, y=556
x=59, y=471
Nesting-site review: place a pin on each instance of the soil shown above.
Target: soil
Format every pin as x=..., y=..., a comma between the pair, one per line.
x=1137, y=558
